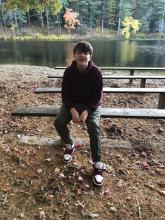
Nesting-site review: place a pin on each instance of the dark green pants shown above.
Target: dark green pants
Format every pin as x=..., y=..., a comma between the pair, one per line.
x=64, y=117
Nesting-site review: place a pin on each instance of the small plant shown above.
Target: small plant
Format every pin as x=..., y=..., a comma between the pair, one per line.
x=130, y=26
x=13, y=27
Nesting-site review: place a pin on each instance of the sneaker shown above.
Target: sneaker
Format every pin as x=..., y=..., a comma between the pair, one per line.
x=98, y=178
x=68, y=152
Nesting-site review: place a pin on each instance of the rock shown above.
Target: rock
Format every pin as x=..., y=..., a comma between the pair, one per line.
x=39, y=171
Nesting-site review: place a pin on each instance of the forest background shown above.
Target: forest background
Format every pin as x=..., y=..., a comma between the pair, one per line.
x=60, y=19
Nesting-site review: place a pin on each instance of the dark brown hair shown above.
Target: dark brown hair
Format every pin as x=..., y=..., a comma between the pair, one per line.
x=83, y=47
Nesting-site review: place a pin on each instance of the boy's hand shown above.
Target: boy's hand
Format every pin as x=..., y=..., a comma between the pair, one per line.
x=75, y=115
x=83, y=116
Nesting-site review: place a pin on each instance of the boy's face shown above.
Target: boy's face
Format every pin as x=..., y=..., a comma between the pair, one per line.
x=82, y=59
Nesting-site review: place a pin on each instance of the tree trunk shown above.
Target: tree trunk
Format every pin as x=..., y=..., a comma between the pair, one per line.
x=16, y=21
x=42, y=21
x=118, y=29
x=59, y=25
x=119, y=21
x=90, y=23
x=47, y=20
x=3, y=17
x=28, y=18
x=102, y=25
x=163, y=21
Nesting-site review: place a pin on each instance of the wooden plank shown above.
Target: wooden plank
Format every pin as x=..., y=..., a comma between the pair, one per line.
x=143, y=83
x=142, y=78
x=134, y=77
x=121, y=68
x=132, y=70
x=132, y=113
x=107, y=90
x=161, y=104
x=50, y=111
x=55, y=76
x=117, y=77
x=48, y=90
x=131, y=74
x=44, y=111
x=133, y=90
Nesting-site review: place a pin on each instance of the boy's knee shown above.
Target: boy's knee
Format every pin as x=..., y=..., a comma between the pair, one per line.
x=58, y=122
x=91, y=125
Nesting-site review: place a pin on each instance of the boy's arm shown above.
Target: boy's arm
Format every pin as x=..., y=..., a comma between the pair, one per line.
x=66, y=97
x=66, y=90
x=96, y=94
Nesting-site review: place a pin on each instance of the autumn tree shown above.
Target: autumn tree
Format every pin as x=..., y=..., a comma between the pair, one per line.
x=130, y=26
x=71, y=20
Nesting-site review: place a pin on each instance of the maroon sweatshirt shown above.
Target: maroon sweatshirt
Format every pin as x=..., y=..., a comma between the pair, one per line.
x=82, y=88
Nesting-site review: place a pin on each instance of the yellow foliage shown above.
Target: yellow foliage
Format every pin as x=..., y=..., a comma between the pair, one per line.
x=13, y=27
x=39, y=36
x=130, y=25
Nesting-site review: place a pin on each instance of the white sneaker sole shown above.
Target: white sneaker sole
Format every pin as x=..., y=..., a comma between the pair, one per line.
x=96, y=183
x=67, y=161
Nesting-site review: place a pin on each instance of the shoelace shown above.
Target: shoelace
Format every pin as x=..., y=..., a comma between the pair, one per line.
x=99, y=171
x=69, y=151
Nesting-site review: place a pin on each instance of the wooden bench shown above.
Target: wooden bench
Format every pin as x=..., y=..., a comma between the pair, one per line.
x=142, y=78
x=50, y=111
x=161, y=91
x=131, y=69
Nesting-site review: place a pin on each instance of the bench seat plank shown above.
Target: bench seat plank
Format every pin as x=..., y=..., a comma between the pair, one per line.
x=122, y=68
x=133, y=77
x=131, y=69
x=117, y=77
x=49, y=111
x=35, y=111
x=107, y=90
x=134, y=90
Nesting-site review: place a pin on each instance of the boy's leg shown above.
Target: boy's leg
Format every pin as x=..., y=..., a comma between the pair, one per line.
x=94, y=134
x=95, y=145
x=61, y=122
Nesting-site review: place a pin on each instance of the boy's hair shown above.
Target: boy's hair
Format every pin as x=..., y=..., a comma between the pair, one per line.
x=84, y=47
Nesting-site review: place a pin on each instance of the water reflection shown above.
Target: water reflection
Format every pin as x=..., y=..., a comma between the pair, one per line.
x=106, y=53
x=68, y=53
x=128, y=52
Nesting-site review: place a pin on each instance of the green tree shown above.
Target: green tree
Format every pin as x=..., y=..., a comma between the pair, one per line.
x=144, y=25
x=150, y=13
x=2, y=14
x=16, y=12
x=112, y=6
x=124, y=11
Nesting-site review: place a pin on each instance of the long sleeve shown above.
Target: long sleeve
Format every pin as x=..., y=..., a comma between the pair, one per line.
x=96, y=94
x=66, y=90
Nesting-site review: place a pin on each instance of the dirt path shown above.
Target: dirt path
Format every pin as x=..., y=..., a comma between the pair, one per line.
x=35, y=184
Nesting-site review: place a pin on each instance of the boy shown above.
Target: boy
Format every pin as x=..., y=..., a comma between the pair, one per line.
x=81, y=96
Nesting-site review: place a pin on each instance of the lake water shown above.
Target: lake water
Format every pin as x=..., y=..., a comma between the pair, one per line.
x=142, y=53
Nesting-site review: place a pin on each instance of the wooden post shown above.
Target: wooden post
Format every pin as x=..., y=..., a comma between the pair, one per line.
x=161, y=104
x=143, y=83
x=131, y=74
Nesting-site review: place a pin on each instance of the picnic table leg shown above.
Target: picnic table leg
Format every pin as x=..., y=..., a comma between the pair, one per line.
x=161, y=104
x=143, y=83
x=131, y=74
